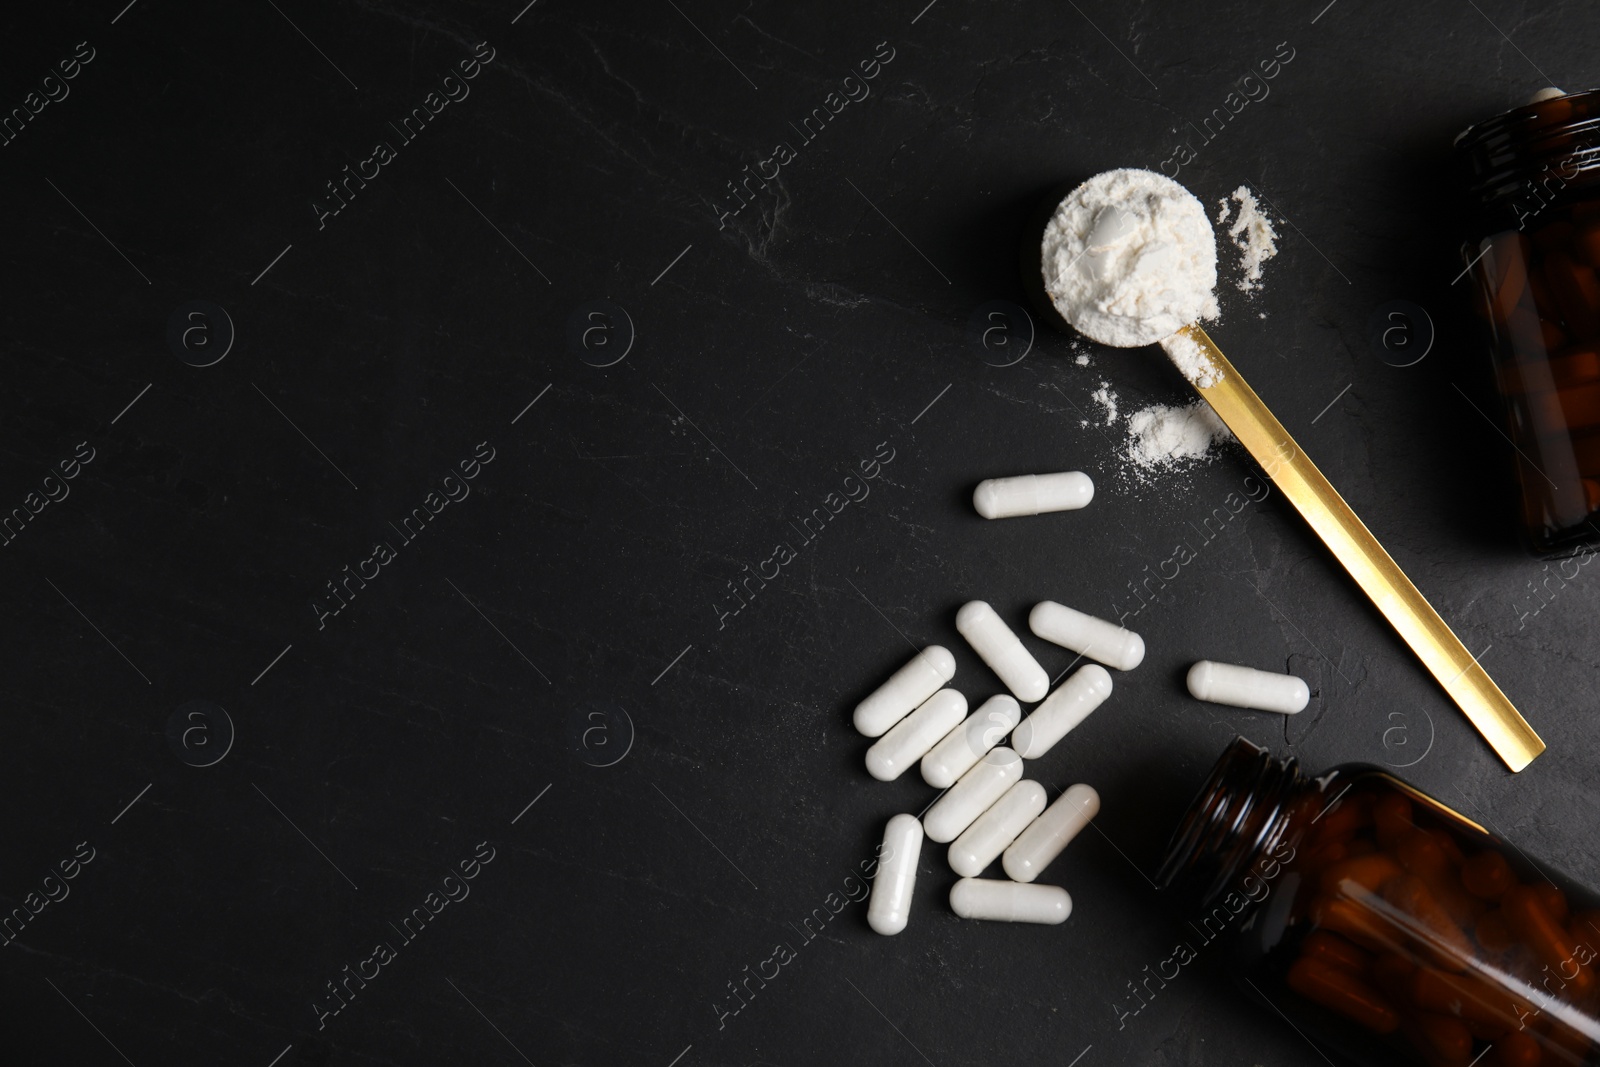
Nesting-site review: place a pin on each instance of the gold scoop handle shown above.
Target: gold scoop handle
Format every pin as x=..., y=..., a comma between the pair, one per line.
x=1379, y=576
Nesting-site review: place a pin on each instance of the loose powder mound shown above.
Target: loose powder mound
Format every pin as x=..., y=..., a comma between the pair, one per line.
x=1253, y=235
x=1162, y=437
x=1130, y=257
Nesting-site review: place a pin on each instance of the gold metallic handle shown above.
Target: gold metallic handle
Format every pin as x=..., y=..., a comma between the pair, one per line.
x=1379, y=576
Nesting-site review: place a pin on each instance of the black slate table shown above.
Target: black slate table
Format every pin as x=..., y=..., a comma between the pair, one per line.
x=398, y=399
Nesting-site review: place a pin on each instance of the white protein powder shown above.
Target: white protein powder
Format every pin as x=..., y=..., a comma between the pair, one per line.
x=1130, y=258
x=1163, y=437
x=1107, y=401
x=1253, y=235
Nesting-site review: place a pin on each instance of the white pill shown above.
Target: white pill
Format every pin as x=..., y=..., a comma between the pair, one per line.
x=907, y=687
x=1096, y=638
x=1069, y=705
x=1032, y=494
x=1010, y=902
x=1246, y=687
x=914, y=735
x=971, y=796
x=981, y=843
x=1002, y=650
x=967, y=743
x=890, y=905
x=1048, y=835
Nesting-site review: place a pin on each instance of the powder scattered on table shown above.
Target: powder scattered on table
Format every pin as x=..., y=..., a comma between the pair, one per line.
x=1107, y=401
x=1161, y=437
x=1255, y=238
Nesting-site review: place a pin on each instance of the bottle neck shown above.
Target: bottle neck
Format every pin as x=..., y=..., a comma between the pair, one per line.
x=1514, y=163
x=1242, y=812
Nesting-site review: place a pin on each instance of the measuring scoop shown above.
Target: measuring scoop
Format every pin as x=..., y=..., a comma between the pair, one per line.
x=1378, y=575
x=1124, y=221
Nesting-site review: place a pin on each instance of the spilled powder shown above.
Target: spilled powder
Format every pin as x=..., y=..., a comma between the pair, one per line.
x=1082, y=361
x=1223, y=210
x=1161, y=437
x=1189, y=357
x=1253, y=235
x=1107, y=401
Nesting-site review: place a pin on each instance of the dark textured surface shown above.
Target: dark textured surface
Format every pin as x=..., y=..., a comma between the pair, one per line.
x=565, y=614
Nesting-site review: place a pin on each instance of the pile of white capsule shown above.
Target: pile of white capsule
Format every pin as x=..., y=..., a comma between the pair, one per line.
x=989, y=811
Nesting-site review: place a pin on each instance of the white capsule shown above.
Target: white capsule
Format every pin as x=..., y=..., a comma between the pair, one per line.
x=981, y=843
x=1048, y=835
x=1010, y=902
x=914, y=735
x=1069, y=705
x=1032, y=494
x=907, y=687
x=890, y=904
x=1096, y=638
x=972, y=795
x=1246, y=687
x=967, y=743
x=993, y=640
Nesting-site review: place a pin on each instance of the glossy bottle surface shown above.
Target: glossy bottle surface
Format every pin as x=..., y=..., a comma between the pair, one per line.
x=1532, y=253
x=1384, y=925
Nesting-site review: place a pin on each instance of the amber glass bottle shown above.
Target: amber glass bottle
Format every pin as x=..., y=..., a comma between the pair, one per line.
x=1532, y=252
x=1385, y=926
